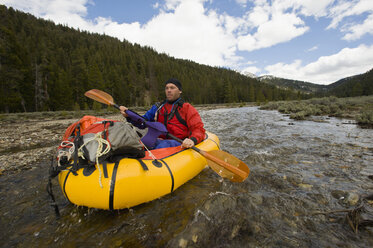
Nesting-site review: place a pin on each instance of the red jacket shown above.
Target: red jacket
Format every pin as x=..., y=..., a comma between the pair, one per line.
x=182, y=120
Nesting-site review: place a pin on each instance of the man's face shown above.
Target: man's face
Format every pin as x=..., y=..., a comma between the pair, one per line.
x=172, y=92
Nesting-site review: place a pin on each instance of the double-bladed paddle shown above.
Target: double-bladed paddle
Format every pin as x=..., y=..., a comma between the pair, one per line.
x=224, y=164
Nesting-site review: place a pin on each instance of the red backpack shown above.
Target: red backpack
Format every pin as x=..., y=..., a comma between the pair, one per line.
x=82, y=125
x=92, y=139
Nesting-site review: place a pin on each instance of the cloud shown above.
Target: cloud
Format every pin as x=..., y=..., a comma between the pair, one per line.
x=55, y=8
x=281, y=28
x=314, y=8
x=67, y=12
x=327, y=69
x=346, y=9
x=156, y=5
x=251, y=69
x=242, y=3
x=356, y=31
x=259, y=15
x=190, y=32
x=313, y=48
x=271, y=24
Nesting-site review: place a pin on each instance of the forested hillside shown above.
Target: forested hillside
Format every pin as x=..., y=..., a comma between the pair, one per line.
x=359, y=85
x=48, y=67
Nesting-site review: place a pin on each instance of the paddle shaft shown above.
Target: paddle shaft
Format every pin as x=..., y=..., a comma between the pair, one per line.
x=116, y=106
x=224, y=164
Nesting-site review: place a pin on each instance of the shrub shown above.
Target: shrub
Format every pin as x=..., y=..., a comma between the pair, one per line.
x=332, y=99
x=282, y=108
x=325, y=109
x=301, y=115
x=365, y=118
x=64, y=113
x=334, y=108
x=317, y=110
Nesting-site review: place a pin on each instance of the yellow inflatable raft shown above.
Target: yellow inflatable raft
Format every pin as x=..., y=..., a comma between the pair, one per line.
x=130, y=182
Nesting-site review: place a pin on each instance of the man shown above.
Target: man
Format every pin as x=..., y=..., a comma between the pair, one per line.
x=180, y=118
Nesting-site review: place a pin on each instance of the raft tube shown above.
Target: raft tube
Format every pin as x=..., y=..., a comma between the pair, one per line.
x=130, y=182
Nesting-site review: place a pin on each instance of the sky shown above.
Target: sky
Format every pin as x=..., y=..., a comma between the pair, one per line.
x=317, y=41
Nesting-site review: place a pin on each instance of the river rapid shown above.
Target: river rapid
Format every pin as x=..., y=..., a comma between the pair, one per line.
x=305, y=177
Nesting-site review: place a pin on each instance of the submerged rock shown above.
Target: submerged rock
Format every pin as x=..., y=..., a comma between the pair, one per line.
x=351, y=199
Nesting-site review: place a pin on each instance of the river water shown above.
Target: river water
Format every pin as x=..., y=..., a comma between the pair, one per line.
x=303, y=173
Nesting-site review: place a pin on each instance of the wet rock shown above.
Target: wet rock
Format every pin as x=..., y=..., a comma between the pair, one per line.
x=183, y=243
x=305, y=186
x=195, y=238
x=235, y=231
x=351, y=199
x=338, y=194
x=256, y=199
x=256, y=228
x=348, y=198
x=216, y=223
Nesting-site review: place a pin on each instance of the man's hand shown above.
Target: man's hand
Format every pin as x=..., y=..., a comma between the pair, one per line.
x=187, y=143
x=123, y=111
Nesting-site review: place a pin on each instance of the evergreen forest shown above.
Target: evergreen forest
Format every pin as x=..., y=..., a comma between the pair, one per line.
x=359, y=85
x=48, y=67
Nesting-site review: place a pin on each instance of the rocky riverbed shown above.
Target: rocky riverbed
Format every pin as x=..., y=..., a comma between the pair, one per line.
x=310, y=185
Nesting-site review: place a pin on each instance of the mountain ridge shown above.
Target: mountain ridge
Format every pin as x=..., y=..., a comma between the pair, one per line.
x=330, y=89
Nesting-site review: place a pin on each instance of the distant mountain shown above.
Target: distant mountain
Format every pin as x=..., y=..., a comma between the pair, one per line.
x=292, y=84
x=357, y=85
x=249, y=74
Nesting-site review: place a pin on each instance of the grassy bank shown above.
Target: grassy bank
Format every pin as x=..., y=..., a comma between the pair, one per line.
x=358, y=108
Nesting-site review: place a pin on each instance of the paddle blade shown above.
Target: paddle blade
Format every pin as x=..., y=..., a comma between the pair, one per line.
x=100, y=96
x=232, y=160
